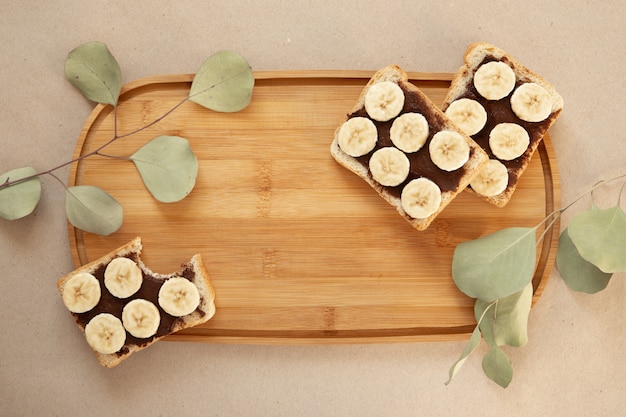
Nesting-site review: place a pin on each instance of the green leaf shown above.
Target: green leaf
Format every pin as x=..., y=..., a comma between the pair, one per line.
x=600, y=237
x=497, y=265
x=578, y=274
x=168, y=167
x=498, y=367
x=19, y=200
x=223, y=83
x=94, y=71
x=507, y=322
x=471, y=345
x=93, y=210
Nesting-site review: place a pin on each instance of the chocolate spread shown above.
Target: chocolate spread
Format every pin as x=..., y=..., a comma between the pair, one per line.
x=149, y=290
x=420, y=163
x=499, y=111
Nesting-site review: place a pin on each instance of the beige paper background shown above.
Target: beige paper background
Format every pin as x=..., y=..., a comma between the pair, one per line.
x=574, y=363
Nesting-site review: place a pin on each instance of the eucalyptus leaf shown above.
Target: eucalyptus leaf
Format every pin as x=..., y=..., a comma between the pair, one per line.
x=168, y=167
x=471, y=345
x=497, y=367
x=600, y=237
x=92, y=69
x=578, y=274
x=507, y=322
x=19, y=200
x=223, y=83
x=497, y=265
x=93, y=210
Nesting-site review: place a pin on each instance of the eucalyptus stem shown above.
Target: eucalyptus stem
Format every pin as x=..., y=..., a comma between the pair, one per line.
x=58, y=179
x=495, y=319
x=115, y=120
x=119, y=157
x=97, y=151
x=591, y=190
x=155, y=121
x=619, y=195
x=554, y=216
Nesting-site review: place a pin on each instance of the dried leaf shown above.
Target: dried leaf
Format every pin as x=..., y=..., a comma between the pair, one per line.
x=168, y=167
x=600, y=237
x=497, y=367
x=578, y=274
x=94, y=71
x=497, y=265
x=93, y=210
x=471, y=345
x=19, y=200
x=507, y=322
x=223, y=83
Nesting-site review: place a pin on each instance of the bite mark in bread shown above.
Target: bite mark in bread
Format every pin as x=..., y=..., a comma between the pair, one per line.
x=193, y=270
x=421, y=166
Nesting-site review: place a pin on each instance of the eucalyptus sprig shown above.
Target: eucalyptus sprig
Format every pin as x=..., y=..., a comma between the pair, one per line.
x=497, y=270
x=167, y=165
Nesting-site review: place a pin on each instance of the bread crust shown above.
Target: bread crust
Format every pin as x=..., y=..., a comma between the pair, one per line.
x=132, y=249
x=477, y=156
x=474, y=56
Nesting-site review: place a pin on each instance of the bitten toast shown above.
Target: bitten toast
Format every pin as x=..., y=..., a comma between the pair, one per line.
x=123, y=307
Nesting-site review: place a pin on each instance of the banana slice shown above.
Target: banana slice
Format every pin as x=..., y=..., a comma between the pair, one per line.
x=448, y=150
x=469, y=115
x=141, y=318
x=420, y=198
x=384, y=101
x=494, y=80
x=178, y=297
x=122, y=277
x=357, y=136
x=105, y=333
x=389, y=166
x=531, y=102
x=409, y=132
x=491, y=180
x=81, y=293
x=508, y=141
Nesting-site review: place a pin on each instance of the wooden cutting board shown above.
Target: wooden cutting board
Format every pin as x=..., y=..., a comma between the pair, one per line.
x=299, y=249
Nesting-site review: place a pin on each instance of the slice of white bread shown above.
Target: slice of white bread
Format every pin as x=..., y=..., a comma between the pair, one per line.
x=450, y=183
x=462, y=86
x=193, y=270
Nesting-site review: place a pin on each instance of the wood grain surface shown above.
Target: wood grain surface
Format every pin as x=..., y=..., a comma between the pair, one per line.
x=299, y=249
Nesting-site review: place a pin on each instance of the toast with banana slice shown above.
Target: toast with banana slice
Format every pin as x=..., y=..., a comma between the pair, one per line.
x=123, y=307
x=507, y=109
x=398, y=141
